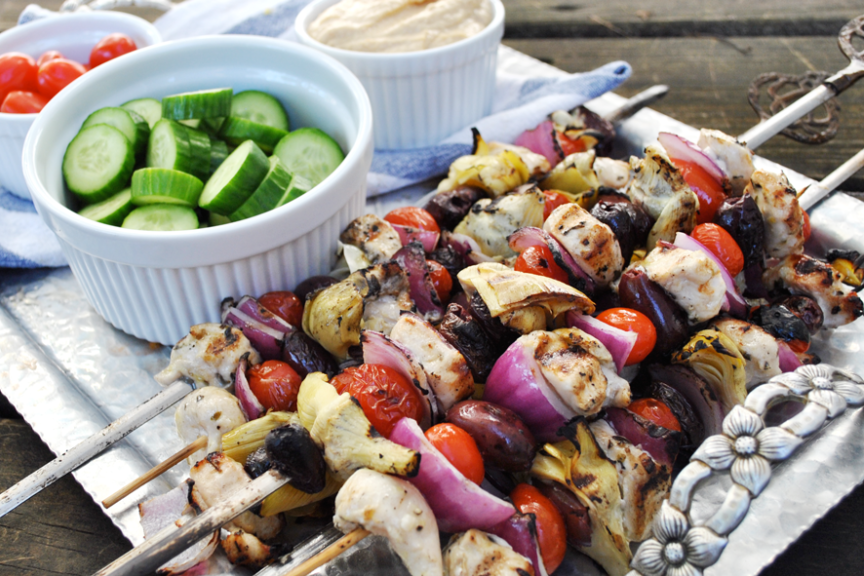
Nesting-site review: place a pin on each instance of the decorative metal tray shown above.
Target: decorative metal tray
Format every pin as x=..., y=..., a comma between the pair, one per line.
x=69, y=373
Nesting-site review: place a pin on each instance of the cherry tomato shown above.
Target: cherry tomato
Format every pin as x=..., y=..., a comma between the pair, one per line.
x=385, y=395
x=440, y=279
x=20, y=102
x=539, y=260
x=55, y=75
x=413, y=217
x=275, y=384
x=551, y=532
x=721, y=244
x=49, y=55
x=707, y=189
x=570, y=146
x=553, y=200
x=807, y=229
x=17, y=72
x=655, y=411
x=459, y=448
x=284, y=304
x=110, y=47
x=632, y=321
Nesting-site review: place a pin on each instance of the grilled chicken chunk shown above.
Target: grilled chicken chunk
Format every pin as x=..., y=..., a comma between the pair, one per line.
x=392, y=507
x=784, y=218
x=475, y=553
x=208, y=411
x=612, y=173
x=759, y=348
x=490, y=222
x=734, y=159
x=374, y=236
x=246, y=549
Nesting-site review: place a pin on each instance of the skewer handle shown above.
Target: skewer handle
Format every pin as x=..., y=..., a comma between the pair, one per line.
x=816, y=192
x=637, y=102
x=328, y=553
x=81, y=453
x=156, y=471
x=762, y=132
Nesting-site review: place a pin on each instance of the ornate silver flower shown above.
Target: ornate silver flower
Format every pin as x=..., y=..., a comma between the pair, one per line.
x=677, y=549
x=747, y=447
x=825, y=385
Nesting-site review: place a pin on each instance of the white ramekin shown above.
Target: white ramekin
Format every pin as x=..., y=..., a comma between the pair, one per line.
x=155, y=285
x=74, y=35
x=420, y=98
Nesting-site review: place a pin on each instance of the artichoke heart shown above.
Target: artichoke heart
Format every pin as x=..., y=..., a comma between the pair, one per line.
x=655, y=180
x=290, y=498
x=678, y=215
x=242, y=441
x=491, y=222
x=716, y=358
x=496, y=172
x=575, y=174
x=580, y=465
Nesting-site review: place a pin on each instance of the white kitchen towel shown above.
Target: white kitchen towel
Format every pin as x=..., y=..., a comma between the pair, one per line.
x=521, y=102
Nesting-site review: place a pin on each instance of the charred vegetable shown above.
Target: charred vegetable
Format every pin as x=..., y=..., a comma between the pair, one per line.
x=291, y=451
x=781, y=323
x=459, y=329
x=806, y=309
x=450, y=207
x=716, y=358
x=692, y=429
x=305, y=355
x=575, y=513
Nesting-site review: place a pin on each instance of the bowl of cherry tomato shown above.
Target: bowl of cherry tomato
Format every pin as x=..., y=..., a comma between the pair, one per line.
x=38, y=59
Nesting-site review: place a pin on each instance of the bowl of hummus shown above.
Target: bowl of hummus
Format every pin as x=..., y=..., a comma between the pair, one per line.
x=428, y=66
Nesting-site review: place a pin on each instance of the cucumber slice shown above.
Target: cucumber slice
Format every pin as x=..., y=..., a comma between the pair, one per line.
x=199, y=147
x=148, y=108
x=194, y=123
x=162, y=217
x=235, y=179
x=98, y=163
x=165, y=186
x=268, y=194
x=169, y=147
x=309, y=152
x=212, y=125
x=130, y=123
x=218, y=152
x=261, y=108
x=217, y=219
x=200, y=104
x=111, y=211
x=236, y=130
x=299, y=186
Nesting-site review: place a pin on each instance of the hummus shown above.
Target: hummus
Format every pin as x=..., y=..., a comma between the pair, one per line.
x=399, y=25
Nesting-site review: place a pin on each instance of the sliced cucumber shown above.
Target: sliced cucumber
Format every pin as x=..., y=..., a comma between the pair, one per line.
x=200, y=104
x=199, y=148
x=299, y=186
x=217, y=219
x=236, y=130
x=148, y=108
x=169, y=147
x=261, y=108
x=212, y=125
x=218, y=152
x=235, y=179
x=165, y=186
x=267, y=195
x=111, y=211
x=310, y=153
x=162, y=217
x=98, y=163
x=130, y=123
x=194, y=123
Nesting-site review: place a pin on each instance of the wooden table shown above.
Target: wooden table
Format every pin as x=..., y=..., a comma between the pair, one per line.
x=708, y=55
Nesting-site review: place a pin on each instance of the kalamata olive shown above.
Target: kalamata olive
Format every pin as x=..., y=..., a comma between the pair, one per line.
x=615, y=215
x=500, y=335
x=313, y=284
x=257, y=463
x=741, y=217
x=305, y=355
x=781, y=323
x=502, y=438
x=293, y=453
x=575, y=513
x=639, y=219
x=449, y=208
x=466, y=335
x=806, y=309
x=640, y=293
x=691, y=424
x=451, y=260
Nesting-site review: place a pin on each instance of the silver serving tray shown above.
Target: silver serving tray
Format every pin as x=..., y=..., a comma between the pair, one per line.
x=68, y=372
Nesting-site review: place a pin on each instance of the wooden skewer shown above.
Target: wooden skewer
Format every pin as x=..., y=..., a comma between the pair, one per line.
x=157, y=470
x=329, y=553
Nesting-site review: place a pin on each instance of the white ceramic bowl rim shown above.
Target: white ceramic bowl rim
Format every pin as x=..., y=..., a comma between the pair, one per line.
x=204, y=239
x=316, y=7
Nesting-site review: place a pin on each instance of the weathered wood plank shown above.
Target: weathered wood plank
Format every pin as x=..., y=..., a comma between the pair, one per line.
x=709, y=80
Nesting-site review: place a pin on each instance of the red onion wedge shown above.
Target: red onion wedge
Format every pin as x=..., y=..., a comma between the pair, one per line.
x=696, y=391
x=618, y=342
x=458, y=503
x=466, y=247
x=789, y=361
x=737, y=304
x=520, y=532
x=412, y=260
x=249, y=403
x=530, y=236
x=255, y=310
x=679, y=148
x=661, y=443
x=407, y=234
x=266, y=340
x=542, y=140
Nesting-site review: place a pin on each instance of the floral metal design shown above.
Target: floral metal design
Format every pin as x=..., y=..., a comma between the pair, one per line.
x=827, y=386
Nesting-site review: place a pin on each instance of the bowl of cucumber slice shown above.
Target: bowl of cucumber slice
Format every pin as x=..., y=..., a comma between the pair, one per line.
x=200, y=169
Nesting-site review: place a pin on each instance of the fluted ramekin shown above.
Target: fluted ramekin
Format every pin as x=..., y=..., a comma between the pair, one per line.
x=155, y=285
x=74, y=35
x=420, y=98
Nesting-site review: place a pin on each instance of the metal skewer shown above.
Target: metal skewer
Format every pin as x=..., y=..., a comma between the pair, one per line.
x=816, y=192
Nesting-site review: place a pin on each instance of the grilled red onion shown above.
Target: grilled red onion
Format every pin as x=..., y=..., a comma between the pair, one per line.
x=249, y=403
x=266, y=340
x=529, y=236
x=737, y=304
x=412, y=259
x=789, y=361
x=466, y=247
x=618, y=342
x=542, y=140
x=696, y=391
x=520, y=532
x=680, y=148
x=661, y=443
x=255, y=310
x=408, y=234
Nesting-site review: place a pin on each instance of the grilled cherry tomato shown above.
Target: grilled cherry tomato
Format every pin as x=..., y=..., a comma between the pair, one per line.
x=655, y=411
x=275, y=384
x=21, y=102
x=807, y=229
x=570, y=146
x=631, y=320
x=413, y=217
x=284, y=304
x=110, y=47
x=55, y=75
x=707, y=189
x=385, y=395
x=49, y=55
x=551, y=532
x=721, y=244
x=553, y=200
x=459, y=448
x=539, y=260
x=440, y=279
x=17, y=72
